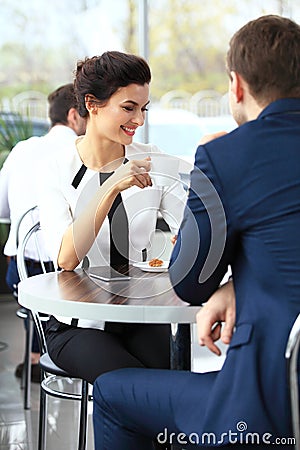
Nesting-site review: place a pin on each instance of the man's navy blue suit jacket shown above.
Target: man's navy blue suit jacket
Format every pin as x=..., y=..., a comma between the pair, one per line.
x=246, y=186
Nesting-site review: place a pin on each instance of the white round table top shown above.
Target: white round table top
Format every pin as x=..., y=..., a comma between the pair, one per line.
x=145, y=298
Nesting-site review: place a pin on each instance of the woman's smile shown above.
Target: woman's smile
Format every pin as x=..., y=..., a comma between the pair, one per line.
x=130, y=131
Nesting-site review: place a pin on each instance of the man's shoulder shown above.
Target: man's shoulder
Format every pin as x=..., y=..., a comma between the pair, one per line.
x=22, y=150
x=238, y=141
x=231, y=155
x=33, y=141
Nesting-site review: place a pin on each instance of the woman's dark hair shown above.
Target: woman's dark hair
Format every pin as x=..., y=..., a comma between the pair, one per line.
x=101, y=76
x=266, y=53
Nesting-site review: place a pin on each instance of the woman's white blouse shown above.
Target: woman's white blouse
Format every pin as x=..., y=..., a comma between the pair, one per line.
x=60, y=203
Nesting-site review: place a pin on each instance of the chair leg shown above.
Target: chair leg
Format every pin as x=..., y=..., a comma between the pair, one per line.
x=42, y=420
x=83, y=415
x=27, y=364
x=294, y=394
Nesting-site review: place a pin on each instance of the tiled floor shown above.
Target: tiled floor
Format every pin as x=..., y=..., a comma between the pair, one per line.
x=18, y=428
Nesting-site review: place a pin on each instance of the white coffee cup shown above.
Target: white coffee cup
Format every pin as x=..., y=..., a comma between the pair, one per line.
x=164, y=170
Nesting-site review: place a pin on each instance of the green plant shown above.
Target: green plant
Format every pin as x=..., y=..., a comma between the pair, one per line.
x=4, y=230
x=3, y=156
x=13, y=128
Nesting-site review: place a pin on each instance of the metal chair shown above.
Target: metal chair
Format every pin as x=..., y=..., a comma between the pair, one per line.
x=27, y=220
x=49, y=371
x=292, y=356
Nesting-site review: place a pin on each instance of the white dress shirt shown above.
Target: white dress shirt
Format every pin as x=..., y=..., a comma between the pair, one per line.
x=19, y=183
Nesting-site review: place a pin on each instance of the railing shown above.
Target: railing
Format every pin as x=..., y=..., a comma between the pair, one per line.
x=205, y=103
x=28, y=103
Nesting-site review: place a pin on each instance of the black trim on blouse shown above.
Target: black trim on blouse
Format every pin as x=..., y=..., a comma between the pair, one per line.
x=79, y=175
x=119, y=229
x=118, y=222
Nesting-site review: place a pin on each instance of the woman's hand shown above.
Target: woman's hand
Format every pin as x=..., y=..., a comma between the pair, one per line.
x=219, y=308
x=174, y=239
x=210, y=137
x=133, y=173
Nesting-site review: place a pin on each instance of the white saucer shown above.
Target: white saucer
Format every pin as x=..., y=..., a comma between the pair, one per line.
x=146, y=268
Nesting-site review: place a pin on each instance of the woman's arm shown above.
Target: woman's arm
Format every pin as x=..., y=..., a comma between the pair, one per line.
x=81, y=234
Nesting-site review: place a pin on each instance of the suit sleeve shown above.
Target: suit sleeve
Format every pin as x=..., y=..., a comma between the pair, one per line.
x=203, y=250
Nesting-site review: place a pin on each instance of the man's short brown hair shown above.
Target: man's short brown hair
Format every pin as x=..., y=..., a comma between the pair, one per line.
x=266, y=53
x=60, y=102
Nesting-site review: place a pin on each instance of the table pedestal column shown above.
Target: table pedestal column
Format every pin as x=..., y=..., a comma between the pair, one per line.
x=180, y=346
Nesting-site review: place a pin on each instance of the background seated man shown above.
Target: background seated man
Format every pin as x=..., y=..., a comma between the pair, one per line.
x=19, y=189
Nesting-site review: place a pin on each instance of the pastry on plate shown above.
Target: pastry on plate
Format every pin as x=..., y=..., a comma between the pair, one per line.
x=155, y=262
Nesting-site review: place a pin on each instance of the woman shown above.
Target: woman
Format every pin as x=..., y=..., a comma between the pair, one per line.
x=98, y=201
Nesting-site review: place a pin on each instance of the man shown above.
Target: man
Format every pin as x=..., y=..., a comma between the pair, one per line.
x=243, y=210
x=19, y=188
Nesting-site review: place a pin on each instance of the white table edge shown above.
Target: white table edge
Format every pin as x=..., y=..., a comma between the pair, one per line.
x=107, y=312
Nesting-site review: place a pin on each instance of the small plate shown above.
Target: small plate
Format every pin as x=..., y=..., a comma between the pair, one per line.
x=146, y=268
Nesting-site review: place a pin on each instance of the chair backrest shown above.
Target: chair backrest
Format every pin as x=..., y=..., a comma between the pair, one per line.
x=292, y=356
x=28, y=235
x=36, y=248
x=32, y=233
x=30, y=215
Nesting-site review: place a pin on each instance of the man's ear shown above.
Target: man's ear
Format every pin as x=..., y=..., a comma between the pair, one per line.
x=72, y=117
x=237, y=86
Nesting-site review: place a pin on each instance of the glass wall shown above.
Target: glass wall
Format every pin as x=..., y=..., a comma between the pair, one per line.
x=185, y=42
